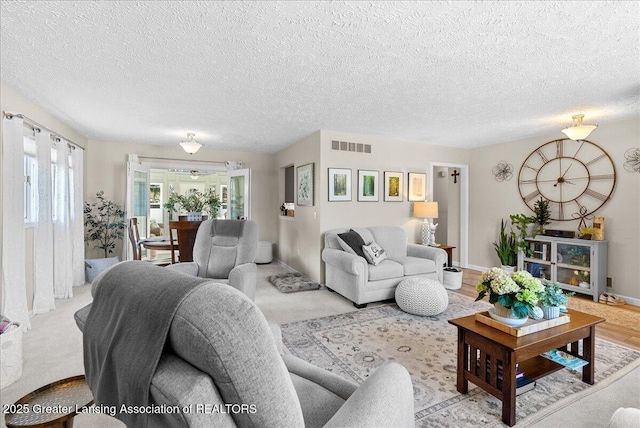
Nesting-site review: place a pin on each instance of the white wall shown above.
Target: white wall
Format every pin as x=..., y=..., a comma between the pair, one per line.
x=299, y=241
x=491, y=200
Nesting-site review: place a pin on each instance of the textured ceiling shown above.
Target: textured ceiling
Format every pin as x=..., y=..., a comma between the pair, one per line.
x=259, y=76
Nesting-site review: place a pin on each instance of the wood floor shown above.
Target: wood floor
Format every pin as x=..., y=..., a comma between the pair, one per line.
x=613, y=333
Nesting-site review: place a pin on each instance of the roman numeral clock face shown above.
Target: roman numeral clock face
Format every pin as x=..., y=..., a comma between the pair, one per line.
x=576, y=177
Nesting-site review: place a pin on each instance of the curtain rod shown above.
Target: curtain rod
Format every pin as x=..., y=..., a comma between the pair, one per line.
x=181, y=160
x=35, y=125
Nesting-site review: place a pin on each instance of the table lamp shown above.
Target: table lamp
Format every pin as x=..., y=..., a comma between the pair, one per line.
x=427, y=210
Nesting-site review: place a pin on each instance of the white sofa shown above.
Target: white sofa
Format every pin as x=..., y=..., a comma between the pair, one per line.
x=361, y=282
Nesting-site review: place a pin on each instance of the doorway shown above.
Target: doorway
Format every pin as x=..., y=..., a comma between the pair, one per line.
x=152, y=180
x=449, y=186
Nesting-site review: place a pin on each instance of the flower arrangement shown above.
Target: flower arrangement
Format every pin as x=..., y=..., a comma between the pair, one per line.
x=518, y=291
x=552, y=295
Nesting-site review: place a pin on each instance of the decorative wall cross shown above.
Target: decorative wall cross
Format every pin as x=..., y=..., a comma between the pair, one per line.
x=455, y=176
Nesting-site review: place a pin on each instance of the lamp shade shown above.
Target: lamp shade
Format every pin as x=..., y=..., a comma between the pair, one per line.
x=190, y=145
x=425, y=209
x=578, y=131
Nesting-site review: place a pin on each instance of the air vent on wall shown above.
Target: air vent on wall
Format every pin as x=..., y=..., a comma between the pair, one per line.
x=346, y=146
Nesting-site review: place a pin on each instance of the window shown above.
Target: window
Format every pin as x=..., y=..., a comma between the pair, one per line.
x=30, y=189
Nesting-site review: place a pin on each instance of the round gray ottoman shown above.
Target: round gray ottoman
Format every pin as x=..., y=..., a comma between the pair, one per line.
x=422, y=296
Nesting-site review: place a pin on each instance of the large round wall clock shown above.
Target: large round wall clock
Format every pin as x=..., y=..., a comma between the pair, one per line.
x=576, y=177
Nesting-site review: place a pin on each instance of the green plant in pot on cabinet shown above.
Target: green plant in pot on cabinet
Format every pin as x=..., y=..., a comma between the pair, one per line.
x=507, y=248
x=551, y=298
x=543, y=214
x=522, y=223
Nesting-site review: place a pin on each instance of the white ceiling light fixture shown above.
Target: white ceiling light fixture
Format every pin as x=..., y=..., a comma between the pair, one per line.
x=578, y=131
x=190, y=145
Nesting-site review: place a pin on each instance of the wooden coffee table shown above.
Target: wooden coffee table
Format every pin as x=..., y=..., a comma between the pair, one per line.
x=481, y=348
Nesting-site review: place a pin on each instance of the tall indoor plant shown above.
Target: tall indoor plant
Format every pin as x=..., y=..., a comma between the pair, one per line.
x=506, y=247
x=104, y=221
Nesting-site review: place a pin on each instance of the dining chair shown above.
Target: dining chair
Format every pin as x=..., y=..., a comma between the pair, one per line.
x=134, y=239
x=185, y=233
x=136, y=246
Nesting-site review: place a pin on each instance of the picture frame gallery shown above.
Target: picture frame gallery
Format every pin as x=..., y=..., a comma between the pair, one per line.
x=340, y=185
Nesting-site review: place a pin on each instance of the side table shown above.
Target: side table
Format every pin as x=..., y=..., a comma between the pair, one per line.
x=449, y=250
x=53, y=405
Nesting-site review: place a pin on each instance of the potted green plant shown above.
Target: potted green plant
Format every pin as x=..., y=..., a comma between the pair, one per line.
x=543, y=213
x=507, y=248
x=513, y=295
x=522, y=223
x=551, y=298
x=104, y=222
x=194, y=203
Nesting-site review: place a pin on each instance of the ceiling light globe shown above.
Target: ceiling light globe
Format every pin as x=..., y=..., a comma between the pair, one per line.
x=579, y=132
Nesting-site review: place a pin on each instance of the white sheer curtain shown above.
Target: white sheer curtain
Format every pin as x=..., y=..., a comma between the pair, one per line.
x=77, y=216
x=62, y=230
x=43, y=299
x=14, y=288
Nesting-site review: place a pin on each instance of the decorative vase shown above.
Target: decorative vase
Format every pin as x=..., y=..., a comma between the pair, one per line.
x=551, y=312
x=584, y=285
x=506, y=316
x=509, y=269
x=503, y=311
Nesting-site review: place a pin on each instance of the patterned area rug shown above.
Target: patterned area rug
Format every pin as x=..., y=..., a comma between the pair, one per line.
x=354, y=344
x=618, y=315
x=292, y=282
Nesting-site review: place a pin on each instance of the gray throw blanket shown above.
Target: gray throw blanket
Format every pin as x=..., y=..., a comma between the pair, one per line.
x=126, y=330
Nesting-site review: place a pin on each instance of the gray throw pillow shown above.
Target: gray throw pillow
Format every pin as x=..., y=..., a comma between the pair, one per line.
x=345, y=247
x=353, y=240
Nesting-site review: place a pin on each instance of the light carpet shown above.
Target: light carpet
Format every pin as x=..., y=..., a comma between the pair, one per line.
x=354, y=344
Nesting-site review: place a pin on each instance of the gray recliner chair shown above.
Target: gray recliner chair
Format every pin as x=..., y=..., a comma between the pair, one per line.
x=223, y=362
x=225, y=250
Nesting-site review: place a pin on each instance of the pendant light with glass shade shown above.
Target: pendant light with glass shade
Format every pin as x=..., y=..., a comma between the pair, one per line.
x=578, y=131
x=190, y=145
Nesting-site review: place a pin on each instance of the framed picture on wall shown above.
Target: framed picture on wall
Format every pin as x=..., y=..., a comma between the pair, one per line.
x=367, y=186
x=417, y=186
x=305, y=185
x=393, y=186
x=339, y=184
x=155, y=195
x=224, y=195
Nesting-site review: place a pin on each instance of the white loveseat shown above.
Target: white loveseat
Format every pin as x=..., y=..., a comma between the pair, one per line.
x=354, y=278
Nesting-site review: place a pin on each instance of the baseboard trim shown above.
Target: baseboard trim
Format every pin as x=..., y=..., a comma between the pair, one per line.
x=478, y=268
x=286, y=266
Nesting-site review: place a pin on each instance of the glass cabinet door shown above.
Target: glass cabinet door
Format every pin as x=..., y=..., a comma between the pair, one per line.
x=538, y=260
x=573, y=265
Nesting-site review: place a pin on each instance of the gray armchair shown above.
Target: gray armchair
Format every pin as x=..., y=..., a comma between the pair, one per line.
x=222, y=363
x=225, y=250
